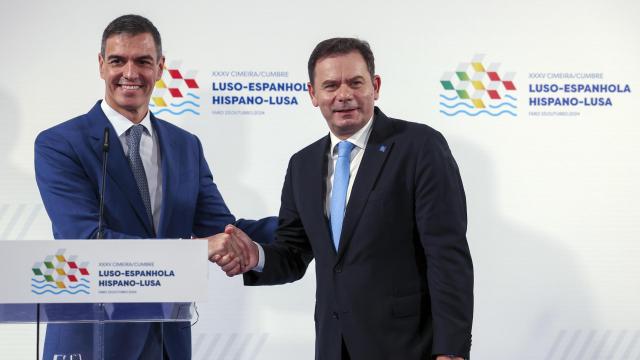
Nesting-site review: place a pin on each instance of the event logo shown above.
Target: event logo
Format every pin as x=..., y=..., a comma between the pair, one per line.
x=252, y=92
x=473, y=89
x=58, y=274
x=572, y=93
x=176, y=93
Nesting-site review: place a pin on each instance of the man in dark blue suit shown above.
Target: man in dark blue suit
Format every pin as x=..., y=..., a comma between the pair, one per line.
x=379, y=204
x=158, y=186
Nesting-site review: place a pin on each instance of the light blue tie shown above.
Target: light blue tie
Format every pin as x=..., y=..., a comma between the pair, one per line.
x=134, y=134
x=339, y=190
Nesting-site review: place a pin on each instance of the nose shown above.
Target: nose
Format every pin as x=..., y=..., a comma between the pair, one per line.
x=345, y=93
x=129, y=71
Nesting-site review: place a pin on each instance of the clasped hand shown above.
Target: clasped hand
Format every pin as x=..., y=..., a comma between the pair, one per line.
x=233, y=251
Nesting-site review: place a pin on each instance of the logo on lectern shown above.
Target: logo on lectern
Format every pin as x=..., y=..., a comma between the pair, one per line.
x=59, y=274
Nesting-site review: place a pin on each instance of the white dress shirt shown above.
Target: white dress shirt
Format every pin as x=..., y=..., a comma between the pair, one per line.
x=359, y=139
x=149, y=152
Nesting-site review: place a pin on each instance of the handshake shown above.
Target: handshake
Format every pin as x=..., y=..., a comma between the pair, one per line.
x=233, y=251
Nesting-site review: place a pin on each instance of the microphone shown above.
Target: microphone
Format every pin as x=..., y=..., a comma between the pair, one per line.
x=105, y=157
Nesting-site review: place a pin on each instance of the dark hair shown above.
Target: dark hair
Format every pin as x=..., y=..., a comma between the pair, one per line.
x=340, y=46
x=131, y=25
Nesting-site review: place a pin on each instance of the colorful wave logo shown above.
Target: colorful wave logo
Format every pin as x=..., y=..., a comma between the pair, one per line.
x=176, y=94
x=58, y=274
x=473, y=90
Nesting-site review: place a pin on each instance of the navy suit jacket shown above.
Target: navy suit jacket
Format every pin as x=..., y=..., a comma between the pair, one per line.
x=68, y=164
x=400, y=285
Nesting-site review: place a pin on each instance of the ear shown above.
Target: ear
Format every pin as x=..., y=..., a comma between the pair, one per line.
x=101, y=65
x=160, y=68
x=376, y=86
x=312, y=94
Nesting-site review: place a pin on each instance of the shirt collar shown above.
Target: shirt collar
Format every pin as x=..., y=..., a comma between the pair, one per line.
x=359, y=139
x=120, y=123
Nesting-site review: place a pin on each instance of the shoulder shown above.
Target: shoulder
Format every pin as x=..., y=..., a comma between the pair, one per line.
x=65, y=132
x=171, y=128
x=175, y=138
x=410, y=130
x=79, y=127
x=412, y=140
x=73, y=125
x=408, y=136
x=312, y=151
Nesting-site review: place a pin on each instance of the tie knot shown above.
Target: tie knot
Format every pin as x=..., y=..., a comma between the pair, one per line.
x=135, y=134
x=344, y=148
x=136, y=130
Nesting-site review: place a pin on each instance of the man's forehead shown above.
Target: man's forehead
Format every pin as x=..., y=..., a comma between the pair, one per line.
x=143, y=42
x=353, y=57
x=341, y=65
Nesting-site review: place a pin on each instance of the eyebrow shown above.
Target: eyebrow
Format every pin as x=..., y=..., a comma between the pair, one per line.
x=143, y=57
x=332, y=81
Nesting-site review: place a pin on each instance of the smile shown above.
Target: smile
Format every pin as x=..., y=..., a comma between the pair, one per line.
x=130, y=87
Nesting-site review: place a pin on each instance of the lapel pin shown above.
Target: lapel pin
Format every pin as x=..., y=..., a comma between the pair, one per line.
x=382, y=148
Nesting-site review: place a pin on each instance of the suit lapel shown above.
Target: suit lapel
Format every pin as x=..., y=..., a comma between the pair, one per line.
x=378, y=148
x=316, y=177
x=118, y=168
x=170, y=173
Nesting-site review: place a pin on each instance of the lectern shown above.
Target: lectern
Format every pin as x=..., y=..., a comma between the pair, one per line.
x=90, y=293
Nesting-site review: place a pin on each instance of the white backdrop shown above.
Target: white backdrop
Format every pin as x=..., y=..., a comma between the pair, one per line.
x=553, y=199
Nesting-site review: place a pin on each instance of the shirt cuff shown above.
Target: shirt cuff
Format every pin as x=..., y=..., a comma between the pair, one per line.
x=260, y=265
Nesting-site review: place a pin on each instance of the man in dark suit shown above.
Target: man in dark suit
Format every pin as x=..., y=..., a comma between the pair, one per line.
x=379, y=205
x=158, y=186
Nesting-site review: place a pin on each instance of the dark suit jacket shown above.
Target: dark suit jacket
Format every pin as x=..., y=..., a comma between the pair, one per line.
x=400, y=285
x=68, y=164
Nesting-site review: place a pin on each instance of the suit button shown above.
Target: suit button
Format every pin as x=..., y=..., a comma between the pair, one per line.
x=335, y=315
x=338, y=269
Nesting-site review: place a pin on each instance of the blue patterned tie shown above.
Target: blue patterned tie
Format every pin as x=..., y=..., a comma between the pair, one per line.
x=339, y=190
x=134, y=134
